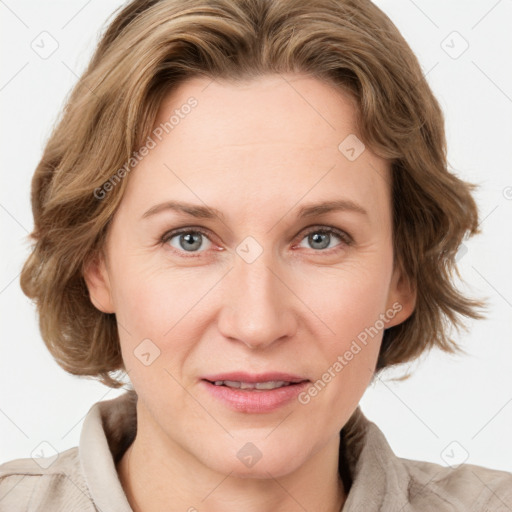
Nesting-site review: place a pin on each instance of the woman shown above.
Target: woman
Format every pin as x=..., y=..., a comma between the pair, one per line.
x=246, y=208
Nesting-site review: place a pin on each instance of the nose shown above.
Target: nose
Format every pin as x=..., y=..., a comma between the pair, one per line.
x=258, y=307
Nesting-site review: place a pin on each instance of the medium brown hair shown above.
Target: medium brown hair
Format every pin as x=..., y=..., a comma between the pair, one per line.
x=152, y=46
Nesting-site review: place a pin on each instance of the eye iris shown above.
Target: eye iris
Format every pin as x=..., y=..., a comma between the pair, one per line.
x=321, y=238
x=192, y=241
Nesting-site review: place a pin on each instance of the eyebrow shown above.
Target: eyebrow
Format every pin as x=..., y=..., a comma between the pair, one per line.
x=207, y=212
x=201, y=212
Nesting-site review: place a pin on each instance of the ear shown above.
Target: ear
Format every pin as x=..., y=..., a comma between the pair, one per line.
x=401, y=298
x=98, y=283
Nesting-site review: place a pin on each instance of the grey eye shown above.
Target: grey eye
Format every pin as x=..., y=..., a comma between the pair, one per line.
x=319, y=239
x=189, y=241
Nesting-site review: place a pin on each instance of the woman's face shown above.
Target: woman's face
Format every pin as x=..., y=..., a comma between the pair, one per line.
x=242, y=275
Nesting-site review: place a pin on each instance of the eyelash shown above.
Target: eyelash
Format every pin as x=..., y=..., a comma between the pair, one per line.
x=345, y=238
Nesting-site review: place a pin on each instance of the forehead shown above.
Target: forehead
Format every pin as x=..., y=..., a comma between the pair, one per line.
x=279, y=109
x=257, y=144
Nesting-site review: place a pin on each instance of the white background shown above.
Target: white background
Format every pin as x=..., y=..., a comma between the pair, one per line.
x=464, y=399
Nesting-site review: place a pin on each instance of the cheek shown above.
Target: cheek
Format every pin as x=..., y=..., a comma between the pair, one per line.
x=346, y=300
x=348, y=354
x=151, y=300
x=152, y=303
x=350, y=304
x=163, y=307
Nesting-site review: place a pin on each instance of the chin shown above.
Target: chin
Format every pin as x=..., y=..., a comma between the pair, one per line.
x=261, y=470
x=258, y=460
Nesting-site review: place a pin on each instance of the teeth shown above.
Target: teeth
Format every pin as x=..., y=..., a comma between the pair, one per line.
x=232, y=384
x=252, y=385
x=271, y=385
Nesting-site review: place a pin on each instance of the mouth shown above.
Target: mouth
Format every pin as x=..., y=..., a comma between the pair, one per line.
x=255, y=393
x=255, y=382
x=256, y=386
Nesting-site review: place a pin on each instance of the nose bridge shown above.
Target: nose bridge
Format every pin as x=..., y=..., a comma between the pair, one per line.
x=259, y=309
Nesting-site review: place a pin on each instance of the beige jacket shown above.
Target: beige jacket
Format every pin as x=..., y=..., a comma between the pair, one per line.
x=84, y=478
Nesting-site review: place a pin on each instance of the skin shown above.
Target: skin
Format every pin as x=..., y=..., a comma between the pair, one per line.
x=257, y=151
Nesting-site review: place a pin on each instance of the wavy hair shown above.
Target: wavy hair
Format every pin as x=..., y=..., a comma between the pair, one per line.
x=149, y=48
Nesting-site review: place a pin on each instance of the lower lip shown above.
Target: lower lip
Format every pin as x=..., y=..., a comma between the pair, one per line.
x=255, y=401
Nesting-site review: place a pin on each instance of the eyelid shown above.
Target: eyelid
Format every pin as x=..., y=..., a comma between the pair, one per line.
x=187, y=229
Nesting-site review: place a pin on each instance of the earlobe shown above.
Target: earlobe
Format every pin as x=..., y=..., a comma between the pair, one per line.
x=98, y=283
x=402, y=297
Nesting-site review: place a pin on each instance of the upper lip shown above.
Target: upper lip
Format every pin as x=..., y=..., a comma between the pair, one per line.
x=255, y=377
